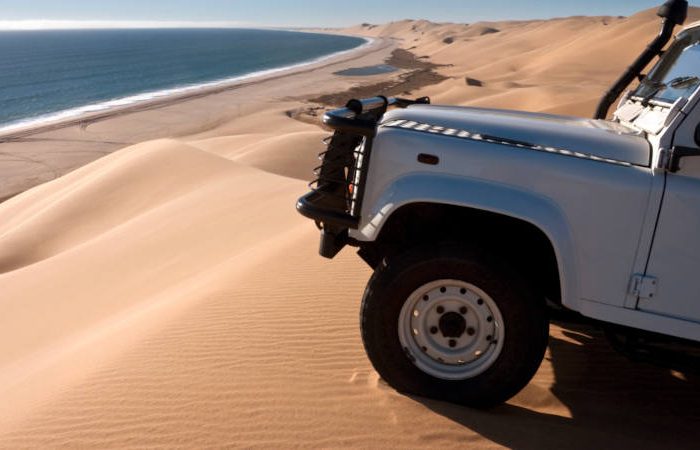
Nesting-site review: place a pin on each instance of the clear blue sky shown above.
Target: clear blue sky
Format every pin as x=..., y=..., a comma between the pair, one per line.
x=312, y=12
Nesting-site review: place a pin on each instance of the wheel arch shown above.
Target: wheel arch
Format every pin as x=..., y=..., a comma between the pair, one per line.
x=525, y=224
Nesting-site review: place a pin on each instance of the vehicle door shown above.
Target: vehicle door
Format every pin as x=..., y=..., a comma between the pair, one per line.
x=674, y=261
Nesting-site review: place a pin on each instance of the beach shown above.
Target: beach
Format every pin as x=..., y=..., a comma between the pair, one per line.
x=158, y=288
x=197, y=114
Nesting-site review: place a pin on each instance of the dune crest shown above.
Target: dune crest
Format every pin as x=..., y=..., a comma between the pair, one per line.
x=112, y=237
x=566, y=64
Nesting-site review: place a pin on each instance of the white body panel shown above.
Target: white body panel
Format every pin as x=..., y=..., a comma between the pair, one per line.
x=599, y=216
x=602, y=138
x=675, y=255
x=582, y=206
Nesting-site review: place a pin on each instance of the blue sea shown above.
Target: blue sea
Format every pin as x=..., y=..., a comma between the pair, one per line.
x=51, y=75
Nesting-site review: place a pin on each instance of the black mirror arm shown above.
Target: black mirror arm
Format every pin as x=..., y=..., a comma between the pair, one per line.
x=678, y=153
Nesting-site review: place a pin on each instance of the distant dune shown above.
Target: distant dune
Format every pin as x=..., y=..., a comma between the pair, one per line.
x=168, y=295
x=559, y=66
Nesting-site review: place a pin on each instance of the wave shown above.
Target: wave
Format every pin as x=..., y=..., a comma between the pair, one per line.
x=55, y=118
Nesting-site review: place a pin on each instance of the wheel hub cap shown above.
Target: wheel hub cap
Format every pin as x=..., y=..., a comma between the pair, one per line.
x=451, y=330
x=452, y=325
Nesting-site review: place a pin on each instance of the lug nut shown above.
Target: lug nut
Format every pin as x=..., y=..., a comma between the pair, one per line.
x=440, y=310
x=453, y=343
x=463, y=310
x=471, y=331
x=434, y=330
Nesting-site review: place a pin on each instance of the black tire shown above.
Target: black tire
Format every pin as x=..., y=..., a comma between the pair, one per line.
x=524, y=317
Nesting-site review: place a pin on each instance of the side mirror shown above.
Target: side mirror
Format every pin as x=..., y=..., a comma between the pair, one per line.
x=679, y=153
x=675, y=11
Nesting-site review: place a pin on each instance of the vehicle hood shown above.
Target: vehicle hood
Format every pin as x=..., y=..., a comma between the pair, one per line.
x=598, y=138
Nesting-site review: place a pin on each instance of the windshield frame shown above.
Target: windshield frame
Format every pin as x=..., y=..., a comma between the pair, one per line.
x=648, y=90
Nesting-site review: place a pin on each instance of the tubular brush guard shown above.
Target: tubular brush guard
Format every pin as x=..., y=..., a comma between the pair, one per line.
x=335, y=200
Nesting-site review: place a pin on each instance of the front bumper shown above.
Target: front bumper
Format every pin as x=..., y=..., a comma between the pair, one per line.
x=334, y=224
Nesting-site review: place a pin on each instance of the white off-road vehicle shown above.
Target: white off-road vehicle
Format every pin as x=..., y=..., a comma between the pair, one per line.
x=476, y=220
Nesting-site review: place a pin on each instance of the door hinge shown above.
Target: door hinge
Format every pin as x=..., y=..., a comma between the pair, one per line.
x=643, y=287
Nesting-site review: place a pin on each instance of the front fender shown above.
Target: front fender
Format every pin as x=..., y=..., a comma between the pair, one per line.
x=482, y=195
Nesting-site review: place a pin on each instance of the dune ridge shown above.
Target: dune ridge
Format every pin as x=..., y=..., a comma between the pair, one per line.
x=559, y=66
x=168, y=295
x=116, y=234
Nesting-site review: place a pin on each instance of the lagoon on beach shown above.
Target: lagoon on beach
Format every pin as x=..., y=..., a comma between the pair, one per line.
x=367, y=71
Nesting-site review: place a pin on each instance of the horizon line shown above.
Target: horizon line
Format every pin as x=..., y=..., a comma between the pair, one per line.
x=48, y=24
x=89, y=24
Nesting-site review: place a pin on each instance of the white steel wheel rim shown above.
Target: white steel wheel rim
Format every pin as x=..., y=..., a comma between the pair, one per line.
x=451, y=330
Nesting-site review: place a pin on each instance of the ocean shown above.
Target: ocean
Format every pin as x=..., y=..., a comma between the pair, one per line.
x=52, y=75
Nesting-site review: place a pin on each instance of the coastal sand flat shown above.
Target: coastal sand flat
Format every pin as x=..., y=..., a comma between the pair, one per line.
x=30, y=158
x=168, y=295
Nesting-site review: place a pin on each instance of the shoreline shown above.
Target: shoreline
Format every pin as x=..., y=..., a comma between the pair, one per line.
x=38, y=154
x=184, y=93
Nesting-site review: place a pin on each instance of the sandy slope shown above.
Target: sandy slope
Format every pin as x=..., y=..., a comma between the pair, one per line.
x=559, y=66
x=200, y=315
x=168, y=295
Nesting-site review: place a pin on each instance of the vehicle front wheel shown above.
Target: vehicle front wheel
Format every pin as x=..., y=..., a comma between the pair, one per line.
x=449, y=324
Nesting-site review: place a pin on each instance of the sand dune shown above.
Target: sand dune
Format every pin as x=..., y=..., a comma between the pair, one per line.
x=111, y=239
x=168, y=295
x=289, y=147
x=567, y=63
